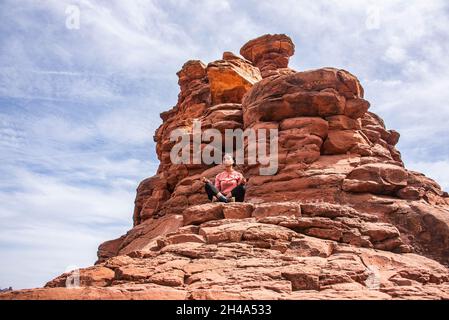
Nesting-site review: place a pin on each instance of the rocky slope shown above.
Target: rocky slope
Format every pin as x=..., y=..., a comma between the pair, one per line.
x=342, y=218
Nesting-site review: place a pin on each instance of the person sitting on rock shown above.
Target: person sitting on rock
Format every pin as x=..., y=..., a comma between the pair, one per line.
x=229, y=185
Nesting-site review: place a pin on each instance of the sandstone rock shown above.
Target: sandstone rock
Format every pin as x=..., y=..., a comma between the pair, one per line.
x=145, y=235
x=305, y=246
x=356, y=108
x=329, y=210
x=379, y=232
x=264, y=232
x=341, y=218
x=237, y=210
x=376, y=178
x=410, y=193
x=109, y=249
x=277, y=209
x=180, y=238
x=303, y=279
x=331, y=234
x=269, y=52
x=203, y=213
x=94, y=293
x=307, y=125
x=342, y=122
x=311, y=93
x=230, y=80
x=343, y=141
x=145, y=203
x=98, y=276
x=174, y=278
x=191, y=71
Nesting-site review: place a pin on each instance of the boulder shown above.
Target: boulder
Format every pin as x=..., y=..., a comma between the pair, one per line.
x=237, y=210
x=343, y=141
x=269, y=52
x=277, y=209
x=311, y=93
x=203, y=213
x=377, y=178
x=230, y=80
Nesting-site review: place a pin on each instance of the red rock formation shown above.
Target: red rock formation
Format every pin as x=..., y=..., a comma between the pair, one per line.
x=270, y=53
x=341, y=219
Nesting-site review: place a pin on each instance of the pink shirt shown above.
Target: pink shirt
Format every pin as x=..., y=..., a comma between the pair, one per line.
x=225, y=181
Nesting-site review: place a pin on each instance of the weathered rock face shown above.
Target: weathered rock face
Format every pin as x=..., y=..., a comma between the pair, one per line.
x=342, y=218
x=270, y=53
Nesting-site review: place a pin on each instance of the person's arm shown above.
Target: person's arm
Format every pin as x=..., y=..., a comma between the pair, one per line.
x=205, y=180
x=217, y=182
x=241, y=180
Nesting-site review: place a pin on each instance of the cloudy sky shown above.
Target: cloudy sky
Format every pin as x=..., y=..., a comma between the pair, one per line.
x=79, y=106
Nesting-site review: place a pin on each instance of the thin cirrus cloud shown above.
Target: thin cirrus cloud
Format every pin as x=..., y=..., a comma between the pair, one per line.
x=78, y=108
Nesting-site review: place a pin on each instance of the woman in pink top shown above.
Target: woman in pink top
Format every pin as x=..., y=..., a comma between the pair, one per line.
x=229, y=185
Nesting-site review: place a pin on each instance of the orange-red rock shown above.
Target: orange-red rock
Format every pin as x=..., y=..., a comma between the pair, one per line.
x=343, y=141
x=230, y=79
x=379, y=178
x=269, y=53
x=342, y=218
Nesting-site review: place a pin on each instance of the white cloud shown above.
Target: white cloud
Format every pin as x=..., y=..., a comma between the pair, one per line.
x=46, y=196
x=138, y=128
x=119, y=28
x=395, y=54
x=49, y=224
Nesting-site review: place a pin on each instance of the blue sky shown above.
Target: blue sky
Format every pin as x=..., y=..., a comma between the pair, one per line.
x=78, y=107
